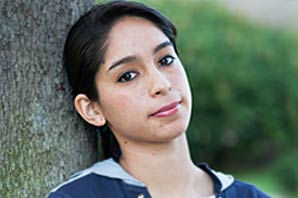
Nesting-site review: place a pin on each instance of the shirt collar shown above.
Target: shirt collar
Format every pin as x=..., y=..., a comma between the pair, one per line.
x=221, y=180
x=110, y=168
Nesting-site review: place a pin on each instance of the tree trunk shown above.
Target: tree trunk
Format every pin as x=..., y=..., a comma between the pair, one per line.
x=42, y=140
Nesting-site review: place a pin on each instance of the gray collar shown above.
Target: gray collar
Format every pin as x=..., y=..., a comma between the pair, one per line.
x=112, y=169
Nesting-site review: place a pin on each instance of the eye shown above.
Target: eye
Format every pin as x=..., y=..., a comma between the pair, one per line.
x=127, y=76
x=165, y=61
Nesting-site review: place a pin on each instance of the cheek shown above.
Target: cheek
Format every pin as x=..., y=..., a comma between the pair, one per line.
x=115, y=103
x=121, y=104
x=179, y=79
x=180, y=82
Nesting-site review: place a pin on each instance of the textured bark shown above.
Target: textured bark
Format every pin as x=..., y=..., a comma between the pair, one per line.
x=42, y=140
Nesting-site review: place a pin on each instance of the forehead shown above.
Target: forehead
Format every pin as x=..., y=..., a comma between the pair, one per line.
x=134, y=33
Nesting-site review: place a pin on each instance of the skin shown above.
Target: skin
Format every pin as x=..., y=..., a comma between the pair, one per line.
x=140, y=75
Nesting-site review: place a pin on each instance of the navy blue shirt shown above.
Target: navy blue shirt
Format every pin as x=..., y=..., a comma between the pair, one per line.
x=108, y=179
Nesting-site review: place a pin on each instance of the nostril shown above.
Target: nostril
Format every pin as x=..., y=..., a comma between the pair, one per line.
x=158, y=93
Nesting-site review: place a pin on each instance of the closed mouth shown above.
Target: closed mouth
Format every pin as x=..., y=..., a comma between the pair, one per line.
x=167, y=110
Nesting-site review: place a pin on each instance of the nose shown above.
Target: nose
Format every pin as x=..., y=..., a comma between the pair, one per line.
x=158, y=83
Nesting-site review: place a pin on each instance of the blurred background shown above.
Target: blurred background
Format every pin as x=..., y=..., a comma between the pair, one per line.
x=241, y=58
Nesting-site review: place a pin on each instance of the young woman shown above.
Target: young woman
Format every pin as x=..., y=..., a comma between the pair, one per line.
x=128, y=82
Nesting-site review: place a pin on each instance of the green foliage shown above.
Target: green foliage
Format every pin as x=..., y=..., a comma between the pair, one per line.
x=287, y=172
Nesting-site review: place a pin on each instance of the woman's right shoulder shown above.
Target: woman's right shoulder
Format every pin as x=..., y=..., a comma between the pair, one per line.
x=87, y=183
x=104, y=179
x=90, y=185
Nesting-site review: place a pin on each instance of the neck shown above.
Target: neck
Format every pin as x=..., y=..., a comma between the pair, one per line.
x=157, y=165
x=172, y=154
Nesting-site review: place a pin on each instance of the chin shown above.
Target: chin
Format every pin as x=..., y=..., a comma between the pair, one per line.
x=169, y=133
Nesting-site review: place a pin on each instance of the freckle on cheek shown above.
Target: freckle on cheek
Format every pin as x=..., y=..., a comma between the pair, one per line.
x=125, y=142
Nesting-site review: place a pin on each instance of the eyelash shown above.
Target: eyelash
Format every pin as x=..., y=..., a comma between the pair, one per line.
x=165, y=61
x=123, y=76
x=166, y=58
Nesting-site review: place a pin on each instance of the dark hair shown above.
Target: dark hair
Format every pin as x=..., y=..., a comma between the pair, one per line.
x=86, y=45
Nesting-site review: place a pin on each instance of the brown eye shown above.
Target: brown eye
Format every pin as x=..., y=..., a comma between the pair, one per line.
x=165, y=61
x=127, y=76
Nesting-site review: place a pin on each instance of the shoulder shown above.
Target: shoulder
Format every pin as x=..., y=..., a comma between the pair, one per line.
x=246, y=190
x=90, y=185
x=226, y=186
x=103, y=179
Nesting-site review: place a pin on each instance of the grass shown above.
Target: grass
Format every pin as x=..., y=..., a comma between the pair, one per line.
x=265, y=180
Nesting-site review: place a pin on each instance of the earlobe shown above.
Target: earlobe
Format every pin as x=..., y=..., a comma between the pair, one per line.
x=89, y=110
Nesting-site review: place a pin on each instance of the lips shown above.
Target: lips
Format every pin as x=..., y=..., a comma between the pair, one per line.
x=167, y=110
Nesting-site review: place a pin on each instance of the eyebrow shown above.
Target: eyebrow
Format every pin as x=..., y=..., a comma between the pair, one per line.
x=129, y=59
x=161, y=46
x=124, y=60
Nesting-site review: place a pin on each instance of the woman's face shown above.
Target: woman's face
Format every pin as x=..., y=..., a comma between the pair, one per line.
x=144, y=92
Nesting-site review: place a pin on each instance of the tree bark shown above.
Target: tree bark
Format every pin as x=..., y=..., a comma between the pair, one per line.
x=42, y=139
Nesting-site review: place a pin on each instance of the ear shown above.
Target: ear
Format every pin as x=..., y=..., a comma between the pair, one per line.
x=89, y=110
